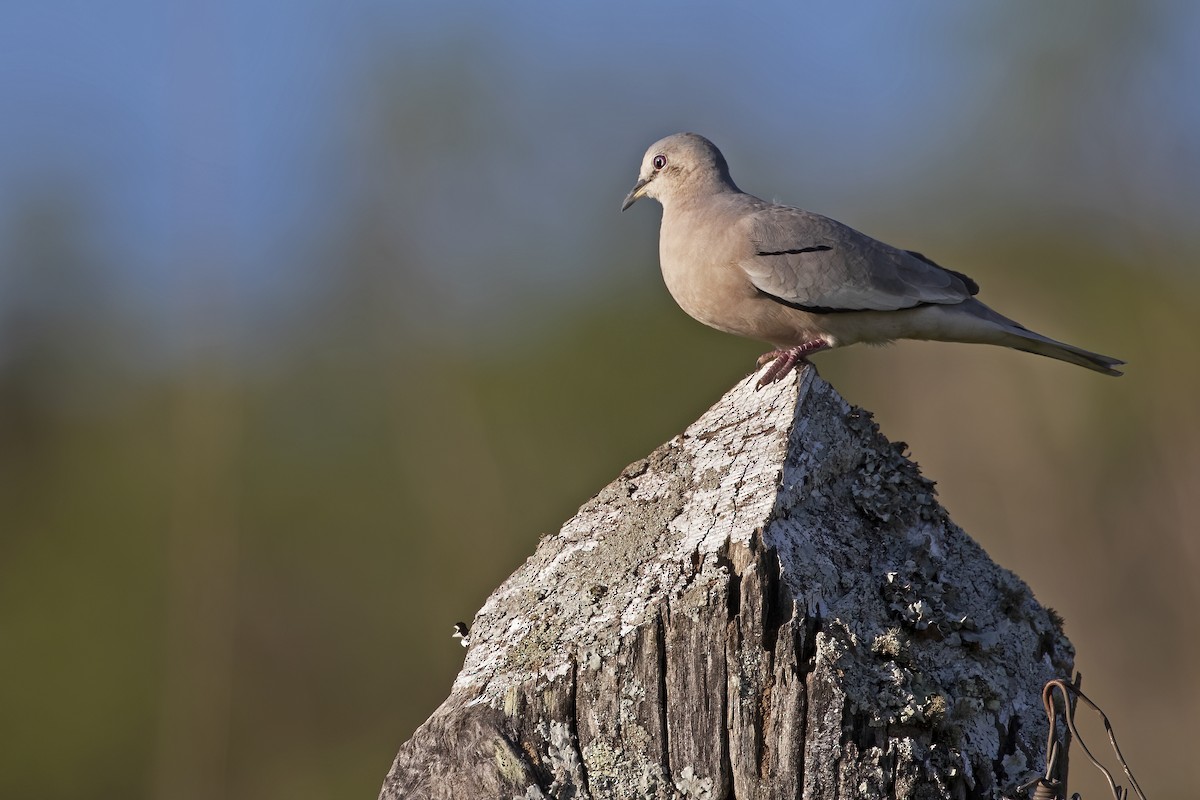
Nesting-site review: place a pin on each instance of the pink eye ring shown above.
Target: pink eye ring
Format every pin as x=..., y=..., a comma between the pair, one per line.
x=659, y=162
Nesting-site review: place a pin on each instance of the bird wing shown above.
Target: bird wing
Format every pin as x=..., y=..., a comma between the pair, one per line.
x=818, y=264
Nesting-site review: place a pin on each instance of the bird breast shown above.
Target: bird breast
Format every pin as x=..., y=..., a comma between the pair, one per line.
x=708, y=288
x=704, y=278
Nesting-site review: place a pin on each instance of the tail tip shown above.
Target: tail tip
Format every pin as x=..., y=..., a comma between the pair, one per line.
x=1108, y=366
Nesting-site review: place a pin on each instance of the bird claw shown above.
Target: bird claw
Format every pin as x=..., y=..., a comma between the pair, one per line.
x=771, y=356
x=784, y=361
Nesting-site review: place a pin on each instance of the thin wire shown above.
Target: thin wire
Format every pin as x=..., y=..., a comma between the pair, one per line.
x=1069, y=693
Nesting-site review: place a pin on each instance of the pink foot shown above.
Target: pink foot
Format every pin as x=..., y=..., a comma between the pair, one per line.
x=786, y=360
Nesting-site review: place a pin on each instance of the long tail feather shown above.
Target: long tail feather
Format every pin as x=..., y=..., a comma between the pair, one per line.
x=1032, y=342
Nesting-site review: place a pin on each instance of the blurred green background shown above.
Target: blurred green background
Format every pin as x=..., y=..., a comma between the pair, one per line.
x=314, y=316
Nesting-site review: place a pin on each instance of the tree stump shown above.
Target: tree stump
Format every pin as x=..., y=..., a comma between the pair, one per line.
x=771, y=605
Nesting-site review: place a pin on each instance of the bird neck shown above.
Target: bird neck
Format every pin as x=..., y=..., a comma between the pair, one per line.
x=702, y=196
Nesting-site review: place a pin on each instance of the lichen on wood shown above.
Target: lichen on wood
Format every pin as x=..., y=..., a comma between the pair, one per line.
x=770, y=605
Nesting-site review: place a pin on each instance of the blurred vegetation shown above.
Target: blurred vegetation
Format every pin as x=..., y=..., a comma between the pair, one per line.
x=233, y=572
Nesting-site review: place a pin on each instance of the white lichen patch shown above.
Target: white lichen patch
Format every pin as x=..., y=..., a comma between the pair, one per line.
x=691, y=785
x=564, y=761
x=646, y=535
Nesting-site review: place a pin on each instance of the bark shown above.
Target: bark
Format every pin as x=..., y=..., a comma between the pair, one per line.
x=771, y=605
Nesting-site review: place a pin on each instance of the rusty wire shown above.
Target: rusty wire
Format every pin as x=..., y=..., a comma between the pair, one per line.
x=1052, y=784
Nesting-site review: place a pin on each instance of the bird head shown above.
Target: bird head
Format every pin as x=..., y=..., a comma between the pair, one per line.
x=680, y=165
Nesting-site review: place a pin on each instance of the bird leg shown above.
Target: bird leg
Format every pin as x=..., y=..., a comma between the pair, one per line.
x=785, y=360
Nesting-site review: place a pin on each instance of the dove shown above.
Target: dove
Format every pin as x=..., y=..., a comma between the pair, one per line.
x=802, y=282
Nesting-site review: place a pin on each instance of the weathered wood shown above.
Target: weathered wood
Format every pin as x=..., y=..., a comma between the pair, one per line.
x=771, y=605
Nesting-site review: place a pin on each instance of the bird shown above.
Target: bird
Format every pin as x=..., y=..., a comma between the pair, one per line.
x=803, y=282
x=463, y=633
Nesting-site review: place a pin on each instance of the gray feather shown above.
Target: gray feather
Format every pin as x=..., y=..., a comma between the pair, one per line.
x=813, y=262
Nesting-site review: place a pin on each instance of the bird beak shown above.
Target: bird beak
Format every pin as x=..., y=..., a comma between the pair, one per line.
x=639, y=189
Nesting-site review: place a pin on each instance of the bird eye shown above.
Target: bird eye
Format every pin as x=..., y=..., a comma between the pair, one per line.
x=659, y=161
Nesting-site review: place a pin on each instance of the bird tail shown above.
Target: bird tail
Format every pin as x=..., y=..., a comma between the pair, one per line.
x=972, y=321
x=1017, y=336
x=1030, y=342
